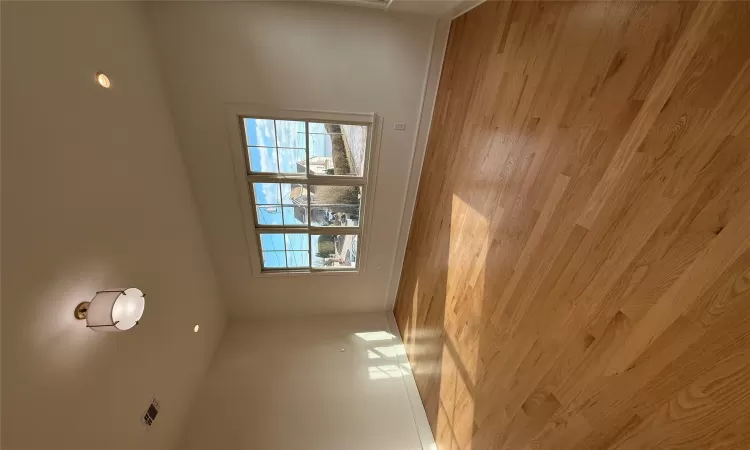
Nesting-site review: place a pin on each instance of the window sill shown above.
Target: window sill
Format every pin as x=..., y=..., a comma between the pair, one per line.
x=300, y=273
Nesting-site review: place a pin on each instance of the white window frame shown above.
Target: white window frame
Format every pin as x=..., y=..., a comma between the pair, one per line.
x=235, y=116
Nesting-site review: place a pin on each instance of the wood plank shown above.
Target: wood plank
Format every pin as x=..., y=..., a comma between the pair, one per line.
x=577, y=274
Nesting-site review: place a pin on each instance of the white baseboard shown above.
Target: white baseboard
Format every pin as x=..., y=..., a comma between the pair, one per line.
x=432, y=79
x=429, y=96
x=415, y=401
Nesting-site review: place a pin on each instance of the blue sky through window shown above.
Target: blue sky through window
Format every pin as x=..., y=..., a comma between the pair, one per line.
x=269, y=215
x=289, y=134
x=270, y=199
x=278, y=255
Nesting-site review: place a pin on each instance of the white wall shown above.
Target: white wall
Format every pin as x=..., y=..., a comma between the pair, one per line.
x=285, y=55
x=284, y=384
x=95, y=195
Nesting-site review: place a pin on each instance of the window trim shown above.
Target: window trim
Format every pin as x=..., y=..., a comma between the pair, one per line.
x=235, y=116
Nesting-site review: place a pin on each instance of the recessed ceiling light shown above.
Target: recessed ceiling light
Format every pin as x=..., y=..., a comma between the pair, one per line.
x=103, y=80
x=196, y=328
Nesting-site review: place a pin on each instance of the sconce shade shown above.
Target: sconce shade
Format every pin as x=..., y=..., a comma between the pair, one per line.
x=115, y=310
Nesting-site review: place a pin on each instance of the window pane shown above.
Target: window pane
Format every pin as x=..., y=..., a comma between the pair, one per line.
x=355, y=137
x=274, y=260
x=298, y=149
x=337, y=149
x=335, y=205
x=263, y=159
x=267, y=193
x=297, y=259
x=297, y=241
x=269, y=198
x=271, y=242
x=334, y=251
x=290, y=134
x=294, y=194
x=269, y=215
x=295, y=215
x=290, y=250
x=260, y=132
x=292, y=160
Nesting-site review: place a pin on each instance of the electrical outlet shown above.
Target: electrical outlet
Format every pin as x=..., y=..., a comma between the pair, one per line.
x=399, y=126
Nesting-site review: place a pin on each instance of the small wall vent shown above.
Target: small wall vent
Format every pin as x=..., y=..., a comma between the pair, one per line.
x=148, y=416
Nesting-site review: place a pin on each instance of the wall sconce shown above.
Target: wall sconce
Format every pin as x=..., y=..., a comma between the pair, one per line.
x=112, y=310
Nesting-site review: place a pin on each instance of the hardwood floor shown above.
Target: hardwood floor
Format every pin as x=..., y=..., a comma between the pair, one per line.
x=578, y=270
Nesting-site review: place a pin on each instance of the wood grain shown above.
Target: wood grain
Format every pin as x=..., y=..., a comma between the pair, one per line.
x=577, y=274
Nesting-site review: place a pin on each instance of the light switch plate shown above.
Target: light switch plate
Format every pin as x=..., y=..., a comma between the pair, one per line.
x=399, y=126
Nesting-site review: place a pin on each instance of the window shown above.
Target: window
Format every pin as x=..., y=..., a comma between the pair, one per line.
x=306, y=180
